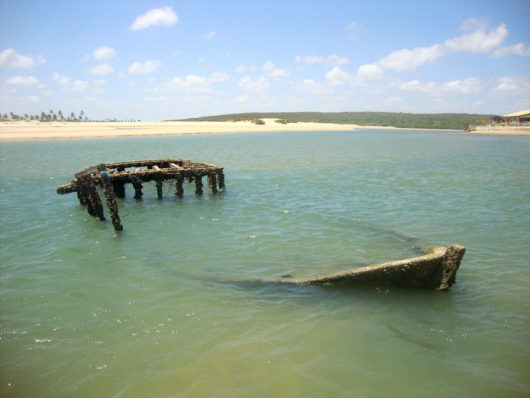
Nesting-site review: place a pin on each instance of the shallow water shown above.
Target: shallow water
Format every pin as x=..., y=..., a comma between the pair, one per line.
x=173, y=306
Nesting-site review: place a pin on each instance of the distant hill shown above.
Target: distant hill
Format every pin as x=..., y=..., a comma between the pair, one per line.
x=453, y=121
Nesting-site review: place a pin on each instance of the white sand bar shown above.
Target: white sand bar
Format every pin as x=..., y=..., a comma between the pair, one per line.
x=32, y=130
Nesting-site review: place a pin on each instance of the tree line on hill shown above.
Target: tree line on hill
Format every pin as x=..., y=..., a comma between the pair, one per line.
x=50, y=116
x=451, y=121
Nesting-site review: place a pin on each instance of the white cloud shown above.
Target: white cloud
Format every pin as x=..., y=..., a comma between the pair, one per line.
x=510, y=86
x=161, y=98
x=101, y=70
x=62, y=80
x=330, y=60
x=30, y=98
x=337, y=77
x=104, y=53
x=22, y=81
x=138, y=68
x=405, y=60
x=351, y=25
x=244, y=68
x=99, y=82
x=471, y=85
x=417, y=86
x=155, y=17
x=260, y=85
x=79, y=85
x=48, y=92
x=191, y=84
x=309, y=86
x=474, y=23
x=370, y=72
x=13, y=59
x=270, y=69
x=518, y=49
x=354, y=30
x=210, y=35
x=478, y=41
x=461, y=87
x=218, y=77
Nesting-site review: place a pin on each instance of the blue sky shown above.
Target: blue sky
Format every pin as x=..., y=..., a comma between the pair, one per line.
x=156, y=60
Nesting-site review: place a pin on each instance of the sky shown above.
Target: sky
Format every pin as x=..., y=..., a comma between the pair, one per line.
x=159, y=60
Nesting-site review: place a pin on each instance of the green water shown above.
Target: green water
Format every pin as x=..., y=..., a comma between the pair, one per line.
x=173, y=306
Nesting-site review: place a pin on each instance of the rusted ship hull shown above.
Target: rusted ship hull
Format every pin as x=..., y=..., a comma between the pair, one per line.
x=436, y=270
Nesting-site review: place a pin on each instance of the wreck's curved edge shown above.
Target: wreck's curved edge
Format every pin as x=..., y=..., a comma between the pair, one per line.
x=436, y=269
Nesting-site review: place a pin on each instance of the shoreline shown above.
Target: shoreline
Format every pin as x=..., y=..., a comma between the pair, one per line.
x=500, y=130
x=37, y=131
x=503, y=134
x=12, y=131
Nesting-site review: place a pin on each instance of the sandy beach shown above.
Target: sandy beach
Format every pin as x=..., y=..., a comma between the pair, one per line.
x=501, y=130
x=32, y=130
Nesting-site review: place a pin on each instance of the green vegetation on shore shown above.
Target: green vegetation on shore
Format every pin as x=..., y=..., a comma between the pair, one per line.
x=252, y=120
x=453, y=121
x=50, y=116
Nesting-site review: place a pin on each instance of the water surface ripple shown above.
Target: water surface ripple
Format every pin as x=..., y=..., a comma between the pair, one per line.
x=174, y=306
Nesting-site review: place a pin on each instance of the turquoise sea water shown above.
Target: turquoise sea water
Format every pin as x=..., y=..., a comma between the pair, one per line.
x=173, y=306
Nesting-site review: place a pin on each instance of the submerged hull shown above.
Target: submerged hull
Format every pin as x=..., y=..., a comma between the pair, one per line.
x=436, y=270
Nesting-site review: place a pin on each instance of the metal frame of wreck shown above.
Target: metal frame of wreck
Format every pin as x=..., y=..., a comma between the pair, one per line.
x=112, y=178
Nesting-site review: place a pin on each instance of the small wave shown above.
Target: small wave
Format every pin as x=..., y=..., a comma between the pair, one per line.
x=38, y=341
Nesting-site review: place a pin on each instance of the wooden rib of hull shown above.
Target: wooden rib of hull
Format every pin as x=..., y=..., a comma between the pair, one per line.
x=112, y=177
x=165, y=170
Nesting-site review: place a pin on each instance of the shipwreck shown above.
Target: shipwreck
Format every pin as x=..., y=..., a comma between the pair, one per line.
x=436, y=269
x=112, y=177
